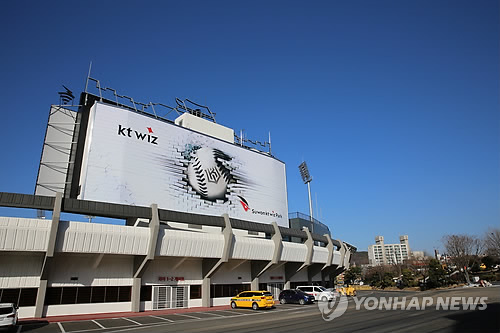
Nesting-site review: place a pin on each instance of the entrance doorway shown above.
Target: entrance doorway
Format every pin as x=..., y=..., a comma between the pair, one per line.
x=275, y=289
x=170, y=297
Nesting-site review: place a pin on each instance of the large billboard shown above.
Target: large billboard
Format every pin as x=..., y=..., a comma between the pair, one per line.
x=134, y=159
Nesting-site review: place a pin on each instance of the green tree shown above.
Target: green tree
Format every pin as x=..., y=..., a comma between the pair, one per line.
x=407, y=278
x=352, y=274
x=437, y=275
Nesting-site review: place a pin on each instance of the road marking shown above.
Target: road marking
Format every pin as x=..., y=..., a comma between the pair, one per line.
x=216, y=314
x=185, y=315
x=98, y=324
x=61, y=327
x=171, y=321
x=19, y=329
x=133, y=321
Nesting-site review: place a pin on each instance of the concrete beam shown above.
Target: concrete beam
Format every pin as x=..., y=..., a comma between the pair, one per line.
x=238, y=264
x=179, y=263
x=312, y=271
x=310, y=248
x=98, y=260
x=330, y=247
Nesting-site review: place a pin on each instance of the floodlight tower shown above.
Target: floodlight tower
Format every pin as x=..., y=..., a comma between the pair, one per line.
x=306, y=177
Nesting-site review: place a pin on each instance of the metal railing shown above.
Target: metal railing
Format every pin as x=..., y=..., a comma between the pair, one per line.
x=297, y=215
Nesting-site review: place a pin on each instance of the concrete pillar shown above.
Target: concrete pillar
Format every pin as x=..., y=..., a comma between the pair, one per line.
x=205, y=293
x=254, y=285
x=210, y=266
x=40, y=298
x=142, y=262
x=49, y=255
x=136, y=294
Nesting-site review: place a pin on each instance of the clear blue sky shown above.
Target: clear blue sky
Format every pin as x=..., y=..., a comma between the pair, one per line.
x=394, y=105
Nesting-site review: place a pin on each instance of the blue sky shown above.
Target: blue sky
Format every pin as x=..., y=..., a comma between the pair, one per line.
x=394, y=105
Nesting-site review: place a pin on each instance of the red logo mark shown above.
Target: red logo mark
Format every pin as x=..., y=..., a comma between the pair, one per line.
x=244, y=203
x=150, y=130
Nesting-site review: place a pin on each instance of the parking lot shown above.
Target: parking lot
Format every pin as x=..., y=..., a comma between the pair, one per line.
x=105, y=325
x=300, y=318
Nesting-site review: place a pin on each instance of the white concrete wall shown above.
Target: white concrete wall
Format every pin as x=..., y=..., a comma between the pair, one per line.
x=26, y=312
x=320, y=255
x=189, y=269
x=336, y=258
x=300, y=276
x=253, y=248
x=178, y=243
x=85, y=237
x=294, y=252
x=113, y=270
x=230, y=272
x=70, y=309
x=20, y=234
x=276, y=272
x=20, y=270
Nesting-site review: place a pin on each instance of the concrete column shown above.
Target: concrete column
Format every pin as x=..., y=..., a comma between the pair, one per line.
x=254, y=285
x=49, y=255
x=210, y=266
x=136, y=294
x=205, y=293
x=141, y=263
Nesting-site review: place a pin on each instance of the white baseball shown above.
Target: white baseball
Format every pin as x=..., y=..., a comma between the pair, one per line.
x=205, y=176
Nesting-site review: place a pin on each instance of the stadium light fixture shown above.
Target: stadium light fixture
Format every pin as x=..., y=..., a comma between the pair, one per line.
x=306, y=177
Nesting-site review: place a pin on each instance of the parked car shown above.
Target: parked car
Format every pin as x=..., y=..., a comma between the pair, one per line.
x=8, y=314
x=253, y=299
x=295, y=296
x=319, y=293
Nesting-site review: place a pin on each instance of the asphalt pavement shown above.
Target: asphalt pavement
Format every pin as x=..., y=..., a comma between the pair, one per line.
x=361, y=315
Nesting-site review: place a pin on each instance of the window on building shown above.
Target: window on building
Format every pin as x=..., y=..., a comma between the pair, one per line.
x=227, y=290
x=195, y=292
x=82, y=295
x=19, y=296
x=146, y=293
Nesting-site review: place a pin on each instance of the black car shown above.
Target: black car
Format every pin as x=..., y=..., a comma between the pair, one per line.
x=295, y=296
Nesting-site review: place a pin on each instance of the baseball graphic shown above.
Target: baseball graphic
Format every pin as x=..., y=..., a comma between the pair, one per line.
x=207, y=175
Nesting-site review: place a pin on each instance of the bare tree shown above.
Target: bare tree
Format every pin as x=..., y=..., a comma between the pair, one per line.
x=492, y=242
x=463, y=251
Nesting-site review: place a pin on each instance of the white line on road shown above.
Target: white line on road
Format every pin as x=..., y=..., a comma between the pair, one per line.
x=61, y=327
x=98, y=324
x=185, y=315
x=133, y=321
x=171, y=321
x=19, y=328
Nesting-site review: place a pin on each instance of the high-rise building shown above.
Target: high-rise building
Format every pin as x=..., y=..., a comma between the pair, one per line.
x=387, y=254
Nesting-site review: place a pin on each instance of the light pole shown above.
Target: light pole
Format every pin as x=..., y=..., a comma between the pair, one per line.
x=306, y=177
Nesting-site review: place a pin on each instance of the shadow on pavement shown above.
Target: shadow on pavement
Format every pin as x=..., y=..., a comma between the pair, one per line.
x=487, y=320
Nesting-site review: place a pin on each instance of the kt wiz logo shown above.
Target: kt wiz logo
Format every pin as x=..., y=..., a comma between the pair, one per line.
x=131, y=133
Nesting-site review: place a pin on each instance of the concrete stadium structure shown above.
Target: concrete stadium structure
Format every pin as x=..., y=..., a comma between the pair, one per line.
x=158, y=259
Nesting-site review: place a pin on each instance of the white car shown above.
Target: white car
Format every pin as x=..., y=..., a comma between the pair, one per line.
x=319, y=293
x=8, y=315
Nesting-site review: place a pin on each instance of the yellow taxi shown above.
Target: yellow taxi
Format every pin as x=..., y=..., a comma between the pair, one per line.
x=253, y=299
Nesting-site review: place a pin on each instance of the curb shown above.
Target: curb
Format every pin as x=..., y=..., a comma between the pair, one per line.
x=111, y=315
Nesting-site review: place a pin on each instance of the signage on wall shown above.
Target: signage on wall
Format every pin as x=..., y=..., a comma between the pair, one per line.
x=170, y=278
x=276, y=277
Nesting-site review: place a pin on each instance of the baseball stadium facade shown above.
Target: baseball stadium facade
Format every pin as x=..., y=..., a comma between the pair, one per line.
x=198, y=227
